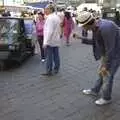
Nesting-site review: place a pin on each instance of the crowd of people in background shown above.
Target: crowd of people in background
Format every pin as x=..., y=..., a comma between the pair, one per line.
x=67, y=25
x=44, y=24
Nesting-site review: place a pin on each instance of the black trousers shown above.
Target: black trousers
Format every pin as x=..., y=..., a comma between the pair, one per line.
x=40, y=40
x=84, y=33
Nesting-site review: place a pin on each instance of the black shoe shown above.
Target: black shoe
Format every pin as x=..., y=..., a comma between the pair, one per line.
x=55, y=71
x=47, y=74
x=68, y=44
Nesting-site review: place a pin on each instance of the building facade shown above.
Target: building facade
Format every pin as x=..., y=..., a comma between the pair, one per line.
x=108, y=3
x=11, y=2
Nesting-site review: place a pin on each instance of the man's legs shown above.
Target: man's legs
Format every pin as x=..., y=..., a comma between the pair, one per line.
x=49, y=59
x=108, y=85
x=96, y=89
x=56, y=59
x=98, y=85
x=107, y=88
x=108, y=82
x=106, y=91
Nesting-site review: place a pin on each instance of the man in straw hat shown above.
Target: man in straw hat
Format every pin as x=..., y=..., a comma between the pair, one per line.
x=51, y=43
x=106, y=47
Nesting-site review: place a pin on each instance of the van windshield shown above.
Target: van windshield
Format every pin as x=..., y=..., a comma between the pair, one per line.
x=8, y=30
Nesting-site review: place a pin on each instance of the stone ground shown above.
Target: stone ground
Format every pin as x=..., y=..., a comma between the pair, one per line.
x=26, y=95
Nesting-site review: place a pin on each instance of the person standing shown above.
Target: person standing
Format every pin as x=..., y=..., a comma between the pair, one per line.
x=106, y=48
x=35, y=16
x=39, y=29
x=84, y=31
x=52, y=32
x=68, y=25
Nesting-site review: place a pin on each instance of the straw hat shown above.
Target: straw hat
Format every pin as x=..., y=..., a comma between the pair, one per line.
x=84, y=17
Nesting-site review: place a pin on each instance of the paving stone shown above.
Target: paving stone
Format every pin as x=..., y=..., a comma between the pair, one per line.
x=26, y=95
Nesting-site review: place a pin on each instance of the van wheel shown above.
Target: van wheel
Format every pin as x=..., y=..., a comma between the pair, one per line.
x=2, y=65
x=33, y=51
x=17, y=63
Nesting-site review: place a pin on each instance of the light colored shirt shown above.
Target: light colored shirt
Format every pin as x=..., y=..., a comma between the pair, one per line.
x=61, y=15
x=52, y=30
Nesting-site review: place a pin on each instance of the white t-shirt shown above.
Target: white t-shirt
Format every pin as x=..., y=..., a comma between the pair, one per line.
x=61, y=15
x=52, y=30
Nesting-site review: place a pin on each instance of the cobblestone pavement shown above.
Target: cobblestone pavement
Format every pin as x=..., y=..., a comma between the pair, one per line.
x=26, y=95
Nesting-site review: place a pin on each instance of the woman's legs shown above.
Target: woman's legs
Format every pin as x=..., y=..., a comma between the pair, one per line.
x=40, y=40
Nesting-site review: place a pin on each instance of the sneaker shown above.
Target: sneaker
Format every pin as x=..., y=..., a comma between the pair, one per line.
x=43, y=60
x=89, y=92
x=68, y=44
x=47, y=74
x=102, y=101
x=55, y=71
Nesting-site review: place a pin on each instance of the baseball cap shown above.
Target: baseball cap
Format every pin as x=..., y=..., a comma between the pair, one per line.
x=84, y=17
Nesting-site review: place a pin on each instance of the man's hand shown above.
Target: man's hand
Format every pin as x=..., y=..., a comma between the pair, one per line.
x=44, y=46
x=103, y=71
x=61, y=36
x=74, y=35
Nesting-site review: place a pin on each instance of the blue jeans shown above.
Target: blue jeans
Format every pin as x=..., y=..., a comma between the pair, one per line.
x=107, y=83
x=52, y=57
